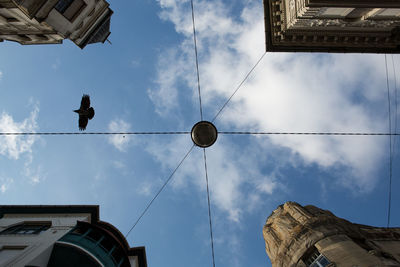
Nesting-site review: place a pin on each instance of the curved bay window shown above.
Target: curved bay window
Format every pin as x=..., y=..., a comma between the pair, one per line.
x=27, y=228
x=98, y=241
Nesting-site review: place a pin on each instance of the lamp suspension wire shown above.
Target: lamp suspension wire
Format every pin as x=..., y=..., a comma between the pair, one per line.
x=395, y=106
x=390, y=144
x=311, y=133
x=94, y=133
x=187, y=132
x=238, y=87
x=209, y=207
x=159, y=191
x=197, y=60
x=201, y=117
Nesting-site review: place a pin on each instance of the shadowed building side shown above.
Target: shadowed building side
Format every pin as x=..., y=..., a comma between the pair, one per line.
x=51, y=21
x=308, y=236
x=342, y=26
x=58, y=236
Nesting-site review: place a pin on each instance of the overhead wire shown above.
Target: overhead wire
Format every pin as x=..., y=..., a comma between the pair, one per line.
x=311, y=133
x=395, y=105
x=238, y=87
x=159, y=191
x=390, y=144
x=201, y=116
x=209, y=207
x=188, y=132
x=94, y=133
x=197, y=60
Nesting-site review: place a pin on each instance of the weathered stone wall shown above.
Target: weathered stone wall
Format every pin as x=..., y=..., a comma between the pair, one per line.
x=292, y=230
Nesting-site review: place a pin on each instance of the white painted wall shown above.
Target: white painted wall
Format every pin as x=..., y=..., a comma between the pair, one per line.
x=38, y=247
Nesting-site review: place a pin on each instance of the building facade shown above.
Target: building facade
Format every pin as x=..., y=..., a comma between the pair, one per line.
x=51, y=21
x=61, y=236
x=297, y=236
x=357, y=26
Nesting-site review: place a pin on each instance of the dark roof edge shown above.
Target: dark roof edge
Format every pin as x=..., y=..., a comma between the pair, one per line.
x=340, y=50
x=55, y=209
x=140, y=252
x=267, y=25
x=106, y=17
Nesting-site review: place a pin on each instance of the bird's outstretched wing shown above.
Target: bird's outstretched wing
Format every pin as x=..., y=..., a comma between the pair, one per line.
x=85, y=102
x=83, y=121
x=91, y=113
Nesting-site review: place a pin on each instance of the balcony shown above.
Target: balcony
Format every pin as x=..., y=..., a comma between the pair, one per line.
x=89, y=243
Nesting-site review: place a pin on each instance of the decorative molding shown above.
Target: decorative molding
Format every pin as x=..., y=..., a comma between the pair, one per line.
x=294, y=25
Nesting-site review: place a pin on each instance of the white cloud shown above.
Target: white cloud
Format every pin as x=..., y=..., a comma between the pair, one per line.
x=1, y=75
x=230, y=169
x=13, y=146
x=287, y=92
x=35, y=175
x=169, y=76
x=5, y=184
x=120, y=142
x=145, y=189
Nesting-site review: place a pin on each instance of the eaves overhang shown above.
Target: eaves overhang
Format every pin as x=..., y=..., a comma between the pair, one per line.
x=93, y=210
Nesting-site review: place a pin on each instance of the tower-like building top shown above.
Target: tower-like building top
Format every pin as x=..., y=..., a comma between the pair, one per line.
x=51, y=21
x=356, y=26
x=297, y=236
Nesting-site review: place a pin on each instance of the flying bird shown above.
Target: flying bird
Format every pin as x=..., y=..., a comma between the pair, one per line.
x=86, y=112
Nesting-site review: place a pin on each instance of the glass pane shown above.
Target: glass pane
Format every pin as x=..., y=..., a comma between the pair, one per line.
x=323, y=261
x=62, y=5
x=73, y=9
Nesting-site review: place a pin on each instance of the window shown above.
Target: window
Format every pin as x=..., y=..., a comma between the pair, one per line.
x=316, y=259
x=62, y=5
x=70, y=8
x=26, y=228
x=98, y=238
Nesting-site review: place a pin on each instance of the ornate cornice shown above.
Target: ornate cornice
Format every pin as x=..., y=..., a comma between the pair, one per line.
x=294, y=25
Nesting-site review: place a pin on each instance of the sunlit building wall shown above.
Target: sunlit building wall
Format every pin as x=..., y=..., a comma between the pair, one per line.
x=297, y=236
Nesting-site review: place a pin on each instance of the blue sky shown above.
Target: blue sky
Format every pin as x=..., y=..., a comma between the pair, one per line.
x=146, y=81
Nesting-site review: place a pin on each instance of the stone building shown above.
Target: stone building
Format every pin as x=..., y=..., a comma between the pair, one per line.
x=51, y=21
x=63, y=236
x=308, y=236
x=360, y=26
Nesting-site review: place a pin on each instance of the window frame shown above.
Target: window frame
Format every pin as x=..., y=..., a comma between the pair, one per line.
x=76, y=14
x=27, y=228
x=313, y=258
x=64, y=4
